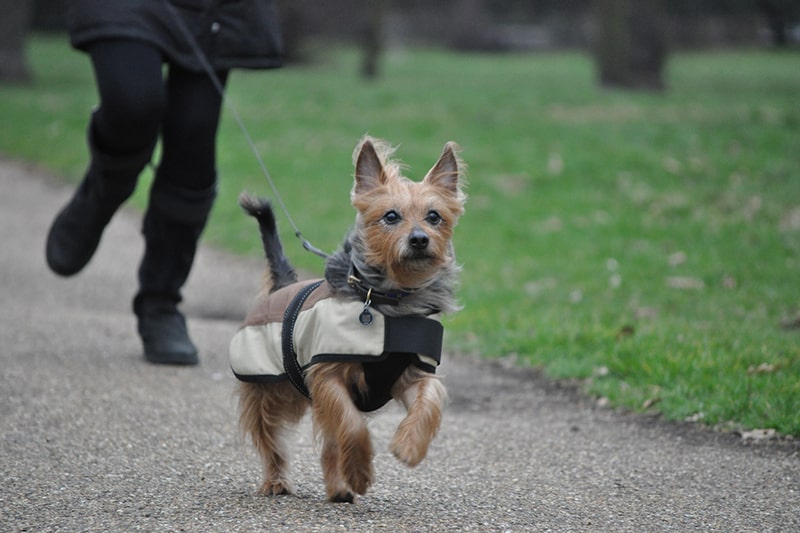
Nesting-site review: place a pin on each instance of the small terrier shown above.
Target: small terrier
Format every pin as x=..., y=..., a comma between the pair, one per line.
x=367, y=333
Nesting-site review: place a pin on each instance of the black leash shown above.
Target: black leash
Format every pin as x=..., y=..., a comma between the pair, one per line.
x=201, y=57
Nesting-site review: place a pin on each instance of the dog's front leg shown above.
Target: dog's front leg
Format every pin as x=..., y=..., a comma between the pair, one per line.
x=347, y=449
x=424, y=397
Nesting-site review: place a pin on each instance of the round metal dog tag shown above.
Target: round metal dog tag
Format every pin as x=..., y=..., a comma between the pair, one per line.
x=365, y=317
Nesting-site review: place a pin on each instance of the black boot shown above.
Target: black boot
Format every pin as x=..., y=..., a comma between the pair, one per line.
x=76, y=230
x=172, y=226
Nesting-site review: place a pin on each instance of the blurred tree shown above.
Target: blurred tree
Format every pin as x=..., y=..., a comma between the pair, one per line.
x=372, y=42
x=780, y=14
x=14, y=24
x=49, y=15
x=630, y=48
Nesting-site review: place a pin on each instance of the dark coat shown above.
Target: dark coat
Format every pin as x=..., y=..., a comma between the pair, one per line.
x=232, y=33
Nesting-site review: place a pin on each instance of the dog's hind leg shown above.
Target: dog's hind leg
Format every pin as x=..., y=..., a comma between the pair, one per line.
x=267, y=411
x=424, y=397
x=347, y=449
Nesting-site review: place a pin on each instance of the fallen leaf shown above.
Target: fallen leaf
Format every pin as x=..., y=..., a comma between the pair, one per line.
x=646, y=312
x=535, y=287
x=763, y=368
x=555, y=164
x=551, y=225
x=790, y=221
x=793, y=323
x=672, y=165
x=676, y=259
x=759, y=434
x=697, y=417
x=625, y=331
x=650, y=402
x=685, y=283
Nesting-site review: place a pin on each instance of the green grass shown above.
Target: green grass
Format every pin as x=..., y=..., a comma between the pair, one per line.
x=646, y=244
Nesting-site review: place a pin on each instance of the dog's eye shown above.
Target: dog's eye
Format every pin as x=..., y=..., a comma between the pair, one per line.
x=433, y=218
x=391, y=217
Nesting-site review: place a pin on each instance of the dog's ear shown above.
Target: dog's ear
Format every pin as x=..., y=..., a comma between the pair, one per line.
x=445, y=173
x=369, y=168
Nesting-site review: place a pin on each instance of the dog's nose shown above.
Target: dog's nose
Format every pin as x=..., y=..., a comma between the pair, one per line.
x=418, y=239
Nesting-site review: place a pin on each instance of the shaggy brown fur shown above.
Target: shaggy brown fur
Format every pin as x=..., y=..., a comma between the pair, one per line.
x=401, y=241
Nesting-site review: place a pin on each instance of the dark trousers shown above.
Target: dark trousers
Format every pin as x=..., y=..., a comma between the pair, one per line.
x=142, y=98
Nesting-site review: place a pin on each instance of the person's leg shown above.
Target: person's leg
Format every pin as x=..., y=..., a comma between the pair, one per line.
x=130, y=84
x=122, y=134
x=180, y=201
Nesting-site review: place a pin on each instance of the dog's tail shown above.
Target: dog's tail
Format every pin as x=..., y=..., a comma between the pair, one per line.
x=280, y=272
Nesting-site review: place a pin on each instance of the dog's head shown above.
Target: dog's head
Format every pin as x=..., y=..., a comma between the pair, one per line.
x=407, y=226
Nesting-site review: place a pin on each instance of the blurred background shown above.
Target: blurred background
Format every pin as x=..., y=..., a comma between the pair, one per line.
x=633, y=224
x=630, y=39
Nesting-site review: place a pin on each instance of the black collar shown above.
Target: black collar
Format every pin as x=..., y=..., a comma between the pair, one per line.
x=370, y=295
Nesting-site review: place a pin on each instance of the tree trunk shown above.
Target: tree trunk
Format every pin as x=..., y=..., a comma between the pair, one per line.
x=630, y=48
x=776, y=20
x=14, y=23
x=372, y=44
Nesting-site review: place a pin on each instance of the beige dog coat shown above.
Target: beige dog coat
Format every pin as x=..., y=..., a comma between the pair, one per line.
x=304, y=324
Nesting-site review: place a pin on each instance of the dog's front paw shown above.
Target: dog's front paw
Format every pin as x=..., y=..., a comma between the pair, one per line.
x=408, y=446
x=342, y=497
x=277, y=487
x=358, y=473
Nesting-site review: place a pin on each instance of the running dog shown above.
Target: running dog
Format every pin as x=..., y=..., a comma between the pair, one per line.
x=367, y=333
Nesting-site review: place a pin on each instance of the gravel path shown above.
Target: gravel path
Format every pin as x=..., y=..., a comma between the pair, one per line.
x=95, y=439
